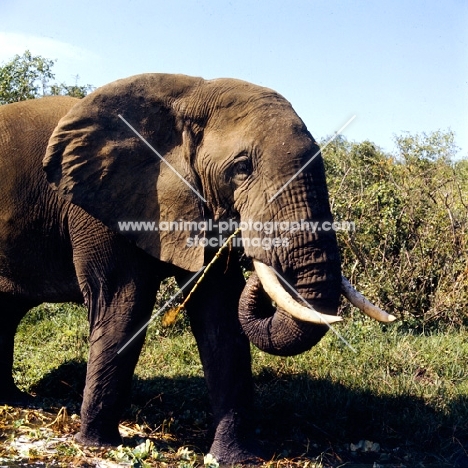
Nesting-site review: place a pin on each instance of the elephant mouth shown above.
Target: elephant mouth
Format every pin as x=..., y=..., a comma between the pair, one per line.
x=285, y=301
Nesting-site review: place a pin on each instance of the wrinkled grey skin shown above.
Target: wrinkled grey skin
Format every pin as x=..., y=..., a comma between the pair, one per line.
x=61, y=201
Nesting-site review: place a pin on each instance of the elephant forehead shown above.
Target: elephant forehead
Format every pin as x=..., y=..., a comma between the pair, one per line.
x=262, y=132
x=260, y=120
x=235, y=98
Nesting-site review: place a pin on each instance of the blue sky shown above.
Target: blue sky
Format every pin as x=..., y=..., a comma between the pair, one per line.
x=399, y=65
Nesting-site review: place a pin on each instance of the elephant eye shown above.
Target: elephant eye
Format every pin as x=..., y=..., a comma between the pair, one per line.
x=240, y=171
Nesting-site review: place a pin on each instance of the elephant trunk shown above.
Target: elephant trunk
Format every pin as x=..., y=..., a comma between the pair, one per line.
x=271, y=328
x=303, y=280
x=284, y=330
x=290, y=328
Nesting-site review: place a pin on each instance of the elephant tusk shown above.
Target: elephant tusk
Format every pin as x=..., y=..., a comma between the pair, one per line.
x=284, y=300
x=359, y=301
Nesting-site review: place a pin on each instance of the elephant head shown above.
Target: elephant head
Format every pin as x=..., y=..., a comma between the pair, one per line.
x=219, y=149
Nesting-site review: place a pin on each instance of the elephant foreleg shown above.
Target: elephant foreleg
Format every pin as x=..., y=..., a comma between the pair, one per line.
x=225, y=355
x=110, y=369
x=109, y=374
x=119, y=283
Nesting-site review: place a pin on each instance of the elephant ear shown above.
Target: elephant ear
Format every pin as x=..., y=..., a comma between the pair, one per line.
x=95, y=161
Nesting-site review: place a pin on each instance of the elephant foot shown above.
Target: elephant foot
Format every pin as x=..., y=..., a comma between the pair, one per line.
x=98, y=440
x=13, y=396
x=233, y=445
x=235, y=452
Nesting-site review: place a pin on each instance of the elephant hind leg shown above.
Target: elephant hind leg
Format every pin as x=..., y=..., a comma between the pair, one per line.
x=12, y=310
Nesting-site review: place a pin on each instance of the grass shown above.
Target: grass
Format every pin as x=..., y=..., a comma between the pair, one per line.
x=405, y=392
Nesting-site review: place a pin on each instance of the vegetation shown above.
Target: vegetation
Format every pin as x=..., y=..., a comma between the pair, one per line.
x=28, y=77
x=402, y=396
x=410, y=248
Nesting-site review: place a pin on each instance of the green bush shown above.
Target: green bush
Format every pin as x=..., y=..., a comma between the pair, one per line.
x=409, y=249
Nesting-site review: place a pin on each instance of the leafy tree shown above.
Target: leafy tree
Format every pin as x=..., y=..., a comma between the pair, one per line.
x=29, y=77
x=63, y=89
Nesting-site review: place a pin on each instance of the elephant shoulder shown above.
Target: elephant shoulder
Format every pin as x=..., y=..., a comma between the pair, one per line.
x=19, y=119
x=26, y=126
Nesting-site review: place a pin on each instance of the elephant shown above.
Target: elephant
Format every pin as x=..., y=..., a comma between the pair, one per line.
x=168, y=148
